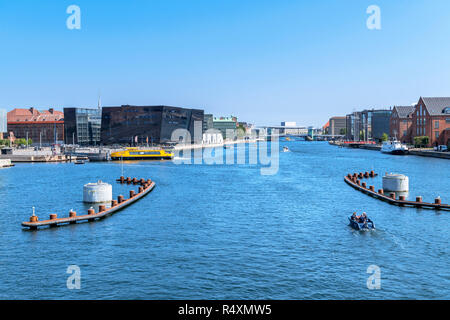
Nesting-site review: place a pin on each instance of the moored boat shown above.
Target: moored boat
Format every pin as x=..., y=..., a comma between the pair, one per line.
x=394, y=147
x=142, y=154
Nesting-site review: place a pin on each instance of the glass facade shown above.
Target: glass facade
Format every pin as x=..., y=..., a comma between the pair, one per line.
x=3, y=121
x=133, y=125
x=225, y=125
x=82, y=126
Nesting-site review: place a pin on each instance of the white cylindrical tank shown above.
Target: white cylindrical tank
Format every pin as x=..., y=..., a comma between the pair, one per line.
x=97, y=192
x=396, y=182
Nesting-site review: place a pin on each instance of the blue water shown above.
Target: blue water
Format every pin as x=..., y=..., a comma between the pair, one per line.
x=228, y=232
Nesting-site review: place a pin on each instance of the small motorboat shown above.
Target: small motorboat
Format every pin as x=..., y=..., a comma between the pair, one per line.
x=80, y=162
x=361, y=226
x=286, y=149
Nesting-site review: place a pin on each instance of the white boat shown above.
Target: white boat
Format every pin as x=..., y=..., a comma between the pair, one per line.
x=286, y=149
x=394, y=147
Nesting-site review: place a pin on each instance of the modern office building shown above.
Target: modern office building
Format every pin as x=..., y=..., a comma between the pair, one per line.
x=134, y=125
x=208, y=122
x=226, y=125
x=378, y=123
x=82, y=126
x=368, y=124
x=3, y=122
x=337, y=126
x=42, y=127
x=353, y=126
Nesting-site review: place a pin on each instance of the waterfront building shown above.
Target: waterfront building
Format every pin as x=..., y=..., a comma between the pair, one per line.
x=326, y=127
x=368, y=124
x=431, y=118
x=42, y=127
x=3, y=123
x=401, y=122
x=82, y=126
x=375, y=123
x=291, y=128
x=208, y=120
x=337, y=126
x=224, y=124
x=353, y=126
x=134, y=125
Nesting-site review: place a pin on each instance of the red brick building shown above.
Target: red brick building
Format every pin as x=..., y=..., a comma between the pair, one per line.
x=431, y=117
x=400, y=124
x=46, y=127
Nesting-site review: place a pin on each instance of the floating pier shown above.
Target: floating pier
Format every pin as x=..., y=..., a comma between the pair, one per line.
x=146, y=186
x=355, y=181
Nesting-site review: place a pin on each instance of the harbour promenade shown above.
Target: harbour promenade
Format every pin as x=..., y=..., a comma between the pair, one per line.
x=412, y=151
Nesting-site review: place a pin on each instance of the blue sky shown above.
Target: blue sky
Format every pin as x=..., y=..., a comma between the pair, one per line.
x=264, y=61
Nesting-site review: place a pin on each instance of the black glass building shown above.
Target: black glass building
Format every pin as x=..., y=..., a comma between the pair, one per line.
x=131, y=125
x=82, y=126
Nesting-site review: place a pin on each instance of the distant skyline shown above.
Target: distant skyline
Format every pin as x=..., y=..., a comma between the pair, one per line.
x=263, y=61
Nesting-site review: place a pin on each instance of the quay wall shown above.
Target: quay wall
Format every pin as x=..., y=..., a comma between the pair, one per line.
x=414, y=152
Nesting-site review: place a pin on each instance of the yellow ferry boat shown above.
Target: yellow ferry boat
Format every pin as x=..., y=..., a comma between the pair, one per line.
x=141, y=154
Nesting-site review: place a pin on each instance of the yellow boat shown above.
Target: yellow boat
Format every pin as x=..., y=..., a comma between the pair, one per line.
x=142, y=154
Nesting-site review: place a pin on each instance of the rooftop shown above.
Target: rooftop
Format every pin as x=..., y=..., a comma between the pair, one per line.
x=404, y=111
x=32, y=114
x=437, y=106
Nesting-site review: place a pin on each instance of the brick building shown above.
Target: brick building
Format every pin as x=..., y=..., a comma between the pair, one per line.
x=400, y=124
x=42, y=127
x=337, y=126
x=431, y=117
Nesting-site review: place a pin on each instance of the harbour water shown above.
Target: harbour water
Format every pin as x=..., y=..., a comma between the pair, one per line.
x=228, y=232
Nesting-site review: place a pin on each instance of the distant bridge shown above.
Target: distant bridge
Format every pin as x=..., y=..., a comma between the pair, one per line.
x=303, y=132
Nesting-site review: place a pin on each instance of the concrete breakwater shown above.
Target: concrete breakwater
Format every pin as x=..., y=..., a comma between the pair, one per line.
x=355, y=181
x=146, y=186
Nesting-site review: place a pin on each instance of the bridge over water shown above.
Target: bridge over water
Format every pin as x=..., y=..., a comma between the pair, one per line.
x=300, y=132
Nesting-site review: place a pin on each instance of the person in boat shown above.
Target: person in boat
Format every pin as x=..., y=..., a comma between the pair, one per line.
x=355, y=217
x=363, y=218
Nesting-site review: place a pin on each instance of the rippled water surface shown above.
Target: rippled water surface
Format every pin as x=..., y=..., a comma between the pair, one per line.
x=228, y=232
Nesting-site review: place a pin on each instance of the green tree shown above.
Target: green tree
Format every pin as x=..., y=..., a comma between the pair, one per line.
x=384, y=137
x=361, y=136
x=240, y=131
x=422, y=141
x=343, y=131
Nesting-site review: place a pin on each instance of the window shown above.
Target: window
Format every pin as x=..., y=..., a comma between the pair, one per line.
x=436, y=124
x=436, y=134
x=404, y=133
x=447, y=120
